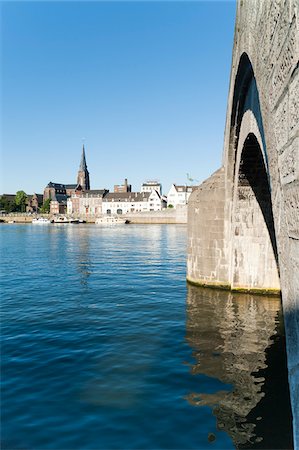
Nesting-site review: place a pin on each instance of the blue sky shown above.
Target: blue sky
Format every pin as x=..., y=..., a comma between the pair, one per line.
x=145, y=83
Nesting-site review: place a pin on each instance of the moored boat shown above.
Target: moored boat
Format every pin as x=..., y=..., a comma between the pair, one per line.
x=111, y=220
x=41, y=221
x=61, y=219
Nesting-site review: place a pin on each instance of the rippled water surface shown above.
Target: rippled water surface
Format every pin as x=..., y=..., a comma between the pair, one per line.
x=105, y=347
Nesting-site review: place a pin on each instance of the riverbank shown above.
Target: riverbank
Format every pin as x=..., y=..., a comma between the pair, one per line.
x=166, y=216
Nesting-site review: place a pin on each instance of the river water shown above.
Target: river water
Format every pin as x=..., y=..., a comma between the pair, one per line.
x=104, y=346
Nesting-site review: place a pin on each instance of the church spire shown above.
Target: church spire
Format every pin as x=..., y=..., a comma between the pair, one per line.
x=83, y=174
x=83, y=165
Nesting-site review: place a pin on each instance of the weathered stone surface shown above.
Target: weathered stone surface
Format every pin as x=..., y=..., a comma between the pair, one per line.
x=243, y=221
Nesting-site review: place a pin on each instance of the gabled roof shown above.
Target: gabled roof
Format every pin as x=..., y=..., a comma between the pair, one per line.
x=151, y=183
x=9, y=197
x=71, y=186
x=60, y=198
x=95, y=193
x=38, y=196
x=183, y=188
x=126, y=196
x=55, y=185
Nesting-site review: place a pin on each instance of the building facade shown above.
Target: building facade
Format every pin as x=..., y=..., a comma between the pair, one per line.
x=52, y=189
x=149, y=186
x=120, y=188
x=131, y=202
x=35, y=201
x=179, y=195
x=86, y=203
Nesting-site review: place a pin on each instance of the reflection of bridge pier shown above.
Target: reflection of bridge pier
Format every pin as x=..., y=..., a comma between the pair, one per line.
x=243, y=221
x=234, y=339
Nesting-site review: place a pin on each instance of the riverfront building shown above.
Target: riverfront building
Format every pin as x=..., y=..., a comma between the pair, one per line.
x=34, y=202
x=86, y=202
x=149, y=186
x=131, y=202
x=179, y=195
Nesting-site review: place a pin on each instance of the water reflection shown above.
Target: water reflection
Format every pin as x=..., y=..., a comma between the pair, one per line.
x=78, y=246
x=84, y=260
x=239, y=340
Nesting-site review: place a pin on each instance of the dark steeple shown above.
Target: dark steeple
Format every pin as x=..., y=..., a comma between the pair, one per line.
x=83, y=174
x=83, y=165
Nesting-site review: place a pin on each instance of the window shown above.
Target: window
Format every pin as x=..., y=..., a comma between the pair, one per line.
x=119, y=211
x=109, y=211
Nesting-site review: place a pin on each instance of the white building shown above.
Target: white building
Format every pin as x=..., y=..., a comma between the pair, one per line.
x=131, y=202
x=179, y=195
x=87, y=203
x=150, y=186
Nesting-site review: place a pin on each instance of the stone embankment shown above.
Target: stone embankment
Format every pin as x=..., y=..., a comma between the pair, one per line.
x=166, y=216
x=20, y=218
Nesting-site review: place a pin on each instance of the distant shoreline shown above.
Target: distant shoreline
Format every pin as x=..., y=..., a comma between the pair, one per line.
x=178, y=216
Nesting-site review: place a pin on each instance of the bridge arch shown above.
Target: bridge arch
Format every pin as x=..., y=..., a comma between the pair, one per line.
x=253, y=247
x=254, y=264
x=245, y=98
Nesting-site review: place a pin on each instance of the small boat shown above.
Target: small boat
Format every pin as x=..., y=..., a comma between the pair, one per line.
x=61, y=219
x=41, y=221
x=111, y=220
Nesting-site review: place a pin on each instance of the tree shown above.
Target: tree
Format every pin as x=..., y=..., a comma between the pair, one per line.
x=21, y=200
x=170, y=206
x=7, y=205
x=46, y=206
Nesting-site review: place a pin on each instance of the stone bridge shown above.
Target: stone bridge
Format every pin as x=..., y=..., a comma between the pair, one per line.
x=243, y=222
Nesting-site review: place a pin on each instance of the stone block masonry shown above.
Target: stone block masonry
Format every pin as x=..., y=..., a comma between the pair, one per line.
x=167, y=216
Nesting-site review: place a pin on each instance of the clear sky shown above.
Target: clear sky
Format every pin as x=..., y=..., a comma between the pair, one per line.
x=145, y=83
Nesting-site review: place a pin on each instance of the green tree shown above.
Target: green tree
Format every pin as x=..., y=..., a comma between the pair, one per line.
x=21, y=200
x=46, y=206
x=6, y=205
x=170, y=206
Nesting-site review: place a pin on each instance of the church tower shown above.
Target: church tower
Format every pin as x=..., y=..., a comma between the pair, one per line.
x=83, y=174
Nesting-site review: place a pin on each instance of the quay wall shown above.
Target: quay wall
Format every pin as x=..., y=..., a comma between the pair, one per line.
x=20, y=218
x=166, y=216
